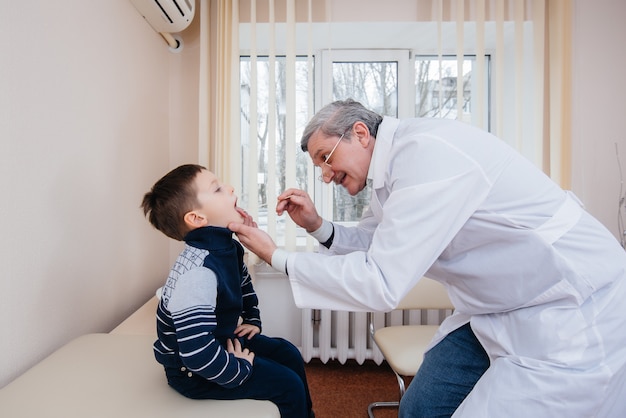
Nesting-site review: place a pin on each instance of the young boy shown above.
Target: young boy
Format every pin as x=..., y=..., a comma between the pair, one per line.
x=206, y=352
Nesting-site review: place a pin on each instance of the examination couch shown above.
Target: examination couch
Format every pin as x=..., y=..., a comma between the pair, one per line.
x=113, y=375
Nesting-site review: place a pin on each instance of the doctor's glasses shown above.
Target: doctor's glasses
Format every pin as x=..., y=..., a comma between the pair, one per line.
x=326, y=162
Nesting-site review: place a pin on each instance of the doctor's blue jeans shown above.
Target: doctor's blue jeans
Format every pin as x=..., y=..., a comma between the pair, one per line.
x=449, y=372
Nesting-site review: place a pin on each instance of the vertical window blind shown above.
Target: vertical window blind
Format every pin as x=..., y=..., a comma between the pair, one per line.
x=262, y=72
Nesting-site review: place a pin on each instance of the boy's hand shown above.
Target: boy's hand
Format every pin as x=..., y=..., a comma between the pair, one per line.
x=247, y=329
x=235, y=349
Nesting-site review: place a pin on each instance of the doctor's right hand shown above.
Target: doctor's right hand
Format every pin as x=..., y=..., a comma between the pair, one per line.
x=300, y=208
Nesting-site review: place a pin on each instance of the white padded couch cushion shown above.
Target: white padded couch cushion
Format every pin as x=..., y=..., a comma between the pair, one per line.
x=111, y=375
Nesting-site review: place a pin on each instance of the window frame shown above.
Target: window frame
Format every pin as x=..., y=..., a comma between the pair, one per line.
x=324, y=59
x=322, y=194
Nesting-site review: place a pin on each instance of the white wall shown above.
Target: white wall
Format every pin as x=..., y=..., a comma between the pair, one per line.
x=85, y=126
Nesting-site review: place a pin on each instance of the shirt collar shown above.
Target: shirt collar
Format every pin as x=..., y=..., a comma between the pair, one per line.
x=382, y=147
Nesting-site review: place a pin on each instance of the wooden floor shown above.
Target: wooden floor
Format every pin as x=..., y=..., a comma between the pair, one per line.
x=345, y=391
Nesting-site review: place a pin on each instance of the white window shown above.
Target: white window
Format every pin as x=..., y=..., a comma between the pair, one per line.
x=398, y=83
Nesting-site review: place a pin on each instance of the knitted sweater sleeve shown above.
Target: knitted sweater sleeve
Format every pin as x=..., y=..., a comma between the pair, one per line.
x=192, y=307
x=250, y=313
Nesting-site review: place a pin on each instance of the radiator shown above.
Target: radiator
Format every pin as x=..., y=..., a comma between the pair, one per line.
x=337, y=335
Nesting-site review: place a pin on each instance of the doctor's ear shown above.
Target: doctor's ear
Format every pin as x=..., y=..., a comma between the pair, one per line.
x=195, y=219
x=361, y=132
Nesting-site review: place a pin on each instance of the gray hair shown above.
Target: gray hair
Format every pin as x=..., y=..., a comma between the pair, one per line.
x=337, y=118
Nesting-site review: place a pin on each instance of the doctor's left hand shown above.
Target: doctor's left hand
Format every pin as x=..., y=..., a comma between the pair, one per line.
x=247, y=218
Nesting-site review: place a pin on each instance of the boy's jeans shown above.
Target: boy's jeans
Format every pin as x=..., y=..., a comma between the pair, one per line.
x=278, y=376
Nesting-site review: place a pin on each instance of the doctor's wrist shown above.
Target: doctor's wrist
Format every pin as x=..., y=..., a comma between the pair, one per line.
x=324, y=232
x=279, y=260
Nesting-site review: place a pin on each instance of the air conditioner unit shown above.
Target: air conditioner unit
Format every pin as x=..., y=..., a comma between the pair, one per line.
x=166, y=16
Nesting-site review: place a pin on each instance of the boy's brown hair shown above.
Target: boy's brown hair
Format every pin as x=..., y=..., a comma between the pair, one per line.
x=166, y=204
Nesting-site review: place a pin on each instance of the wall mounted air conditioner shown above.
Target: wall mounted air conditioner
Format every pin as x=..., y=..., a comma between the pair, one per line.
x=167, y=16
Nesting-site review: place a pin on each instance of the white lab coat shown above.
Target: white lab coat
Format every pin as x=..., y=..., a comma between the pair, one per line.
x=541, y=281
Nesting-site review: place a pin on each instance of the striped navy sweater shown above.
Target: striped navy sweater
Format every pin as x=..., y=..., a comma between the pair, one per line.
x=206, y=292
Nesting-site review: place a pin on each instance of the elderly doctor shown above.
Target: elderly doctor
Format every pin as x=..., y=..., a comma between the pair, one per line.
x=538, y=285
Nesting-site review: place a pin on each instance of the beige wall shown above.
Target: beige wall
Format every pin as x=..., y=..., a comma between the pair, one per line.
x=598, y=105
x=90, y=97
x=94, y=108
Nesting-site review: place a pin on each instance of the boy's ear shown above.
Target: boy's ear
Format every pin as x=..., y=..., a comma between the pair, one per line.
x=195, y=219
